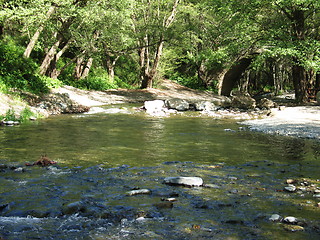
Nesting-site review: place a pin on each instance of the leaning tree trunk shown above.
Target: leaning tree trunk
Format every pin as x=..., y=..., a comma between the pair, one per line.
x=233, y=75
x=36, y=35
x=49, y=57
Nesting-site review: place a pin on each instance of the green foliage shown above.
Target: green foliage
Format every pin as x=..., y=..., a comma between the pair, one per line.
x=19, y=72
x=26, y=114
x=188, y=81
x=23, y=117
x=9, y=116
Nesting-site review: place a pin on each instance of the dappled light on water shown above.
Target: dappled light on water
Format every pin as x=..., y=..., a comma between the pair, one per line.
x=102, y=157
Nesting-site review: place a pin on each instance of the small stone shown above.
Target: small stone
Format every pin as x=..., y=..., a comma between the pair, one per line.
x=210, y=185
x=318, y=204
x=290, y=220
x=19, y=169
x=316, y=195
x=9, y=123
x=138, y=191
x=291, y=181
x=169, y=199
x=290, y=188
x=233, y=178
x=229, y=130
x=275, y=217
x=317, y=191
x=185, y=181
x=293, y=228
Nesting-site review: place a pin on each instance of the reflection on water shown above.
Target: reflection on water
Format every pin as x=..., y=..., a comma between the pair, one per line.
x=102, y=156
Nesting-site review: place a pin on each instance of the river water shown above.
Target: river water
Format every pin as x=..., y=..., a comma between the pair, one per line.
x=102, y=156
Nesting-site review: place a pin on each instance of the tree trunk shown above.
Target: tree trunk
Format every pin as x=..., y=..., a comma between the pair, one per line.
x=36, y=35
x=300, y=83
x=49, y=57
x=148, y=74
x=233, y=75
x=86, y=70
x=298, y=72
x=111, y=63
x=82, y=68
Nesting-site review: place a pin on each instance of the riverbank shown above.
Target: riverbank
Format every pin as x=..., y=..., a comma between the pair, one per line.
x=298, y=121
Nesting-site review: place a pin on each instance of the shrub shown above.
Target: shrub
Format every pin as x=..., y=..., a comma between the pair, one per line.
x=19, y=72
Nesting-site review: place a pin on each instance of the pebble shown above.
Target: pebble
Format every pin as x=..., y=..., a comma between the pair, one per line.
x=291, y=181
x=290, y=220
x=316, y=195
x=169, y=199
x=138, y=191
x=290, y=188
x=185, y=181
x=293, y=228
x=275, y=217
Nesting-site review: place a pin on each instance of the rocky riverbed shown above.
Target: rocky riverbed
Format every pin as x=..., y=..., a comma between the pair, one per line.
x=222, y=202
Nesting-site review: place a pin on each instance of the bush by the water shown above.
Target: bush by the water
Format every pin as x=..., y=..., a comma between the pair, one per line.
x=19, y=72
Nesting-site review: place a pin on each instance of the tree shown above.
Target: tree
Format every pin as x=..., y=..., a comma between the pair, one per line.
x=152, y=21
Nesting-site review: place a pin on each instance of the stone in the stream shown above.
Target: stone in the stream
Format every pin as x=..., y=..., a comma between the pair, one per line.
x=290, y=188
x=153, y=107
x=291, y=181
x=290, y=220
x=293, y=228
x=138, y=192
x=184, y=181
x=316, y=195
x=178, y=104
x=275, y=217
x=74, y=207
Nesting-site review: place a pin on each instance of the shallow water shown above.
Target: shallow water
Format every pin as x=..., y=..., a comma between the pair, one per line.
x=103, y=156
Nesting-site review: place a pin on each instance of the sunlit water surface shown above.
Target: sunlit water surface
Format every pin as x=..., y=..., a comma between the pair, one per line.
x=102, y=156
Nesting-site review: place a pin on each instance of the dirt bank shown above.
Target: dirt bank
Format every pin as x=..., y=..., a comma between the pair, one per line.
x=167, y=89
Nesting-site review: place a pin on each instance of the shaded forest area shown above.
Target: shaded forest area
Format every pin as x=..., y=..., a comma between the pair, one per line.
x=255, y=46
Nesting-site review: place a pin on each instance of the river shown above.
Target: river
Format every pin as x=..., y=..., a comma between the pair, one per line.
x=102, y=156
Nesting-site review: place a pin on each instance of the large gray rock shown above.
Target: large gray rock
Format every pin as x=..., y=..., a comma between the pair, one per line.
x=177, y=103
x=154, y=107
x=205, y=106
x=184, y=181
x=243, y=102
x=266, y=103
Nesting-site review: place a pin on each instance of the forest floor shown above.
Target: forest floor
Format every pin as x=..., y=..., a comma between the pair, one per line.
x=301, y=121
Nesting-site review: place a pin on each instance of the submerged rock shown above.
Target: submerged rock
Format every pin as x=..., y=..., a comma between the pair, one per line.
x=138, y=191
x=184, y=181
x=290, y=220
x=293, y=228
x=290, y=188
x=275, y=217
